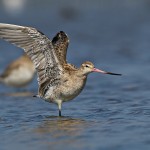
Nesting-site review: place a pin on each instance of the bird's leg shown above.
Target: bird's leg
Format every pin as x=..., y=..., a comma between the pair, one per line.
x=59, y=113
x=59, y=107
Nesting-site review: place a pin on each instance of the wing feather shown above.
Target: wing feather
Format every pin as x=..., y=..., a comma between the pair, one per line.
x=60, y=43
x=38, y=47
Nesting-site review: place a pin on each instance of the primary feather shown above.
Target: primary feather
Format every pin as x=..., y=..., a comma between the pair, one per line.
x=40, y=49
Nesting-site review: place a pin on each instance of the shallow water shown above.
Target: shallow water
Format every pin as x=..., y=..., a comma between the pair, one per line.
x=112, y=112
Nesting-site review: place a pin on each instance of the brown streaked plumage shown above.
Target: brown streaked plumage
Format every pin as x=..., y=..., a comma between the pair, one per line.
x=58, y=81
x=19, y=72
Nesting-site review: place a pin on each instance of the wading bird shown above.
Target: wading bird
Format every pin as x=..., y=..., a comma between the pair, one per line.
x=58, y=80
x=18, y=73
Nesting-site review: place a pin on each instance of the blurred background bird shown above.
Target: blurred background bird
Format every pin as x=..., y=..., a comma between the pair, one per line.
x=18, y=73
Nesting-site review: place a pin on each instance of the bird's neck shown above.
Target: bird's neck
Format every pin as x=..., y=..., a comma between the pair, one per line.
x=81, y=73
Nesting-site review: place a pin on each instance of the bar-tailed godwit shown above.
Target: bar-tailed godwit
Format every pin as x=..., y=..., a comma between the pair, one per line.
x=19, y=72
x=58, y=80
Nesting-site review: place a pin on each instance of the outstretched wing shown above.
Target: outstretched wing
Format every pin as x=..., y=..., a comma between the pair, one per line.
x=38, y=47
x=60, y=43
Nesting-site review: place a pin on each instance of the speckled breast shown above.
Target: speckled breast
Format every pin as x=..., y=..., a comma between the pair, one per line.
x=71, y=89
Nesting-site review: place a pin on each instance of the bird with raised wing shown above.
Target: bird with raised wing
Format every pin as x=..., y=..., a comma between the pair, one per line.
x=58, y=80
x=18, y=73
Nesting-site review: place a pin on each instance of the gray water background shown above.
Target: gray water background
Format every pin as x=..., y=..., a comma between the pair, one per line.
x=112, y=113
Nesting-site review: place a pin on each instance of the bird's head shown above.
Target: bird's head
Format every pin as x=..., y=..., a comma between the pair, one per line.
x=88, y=67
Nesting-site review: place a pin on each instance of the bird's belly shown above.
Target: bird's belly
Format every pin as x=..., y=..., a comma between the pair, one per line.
x=64, y=92
x=70, y=94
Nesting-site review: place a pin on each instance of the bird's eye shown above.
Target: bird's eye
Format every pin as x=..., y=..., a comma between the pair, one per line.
x=87, y=66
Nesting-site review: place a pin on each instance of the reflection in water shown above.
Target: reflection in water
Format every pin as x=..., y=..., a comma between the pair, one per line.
x=62, y=132
x=62, y=126
x=18, y=94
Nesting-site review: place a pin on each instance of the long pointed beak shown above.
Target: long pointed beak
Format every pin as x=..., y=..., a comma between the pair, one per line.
x=105, y=72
